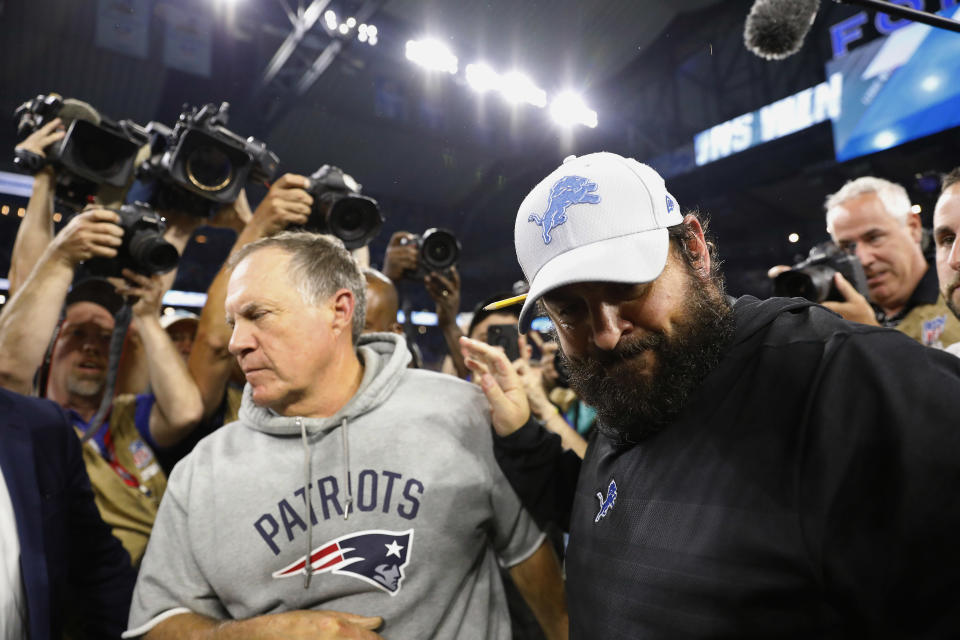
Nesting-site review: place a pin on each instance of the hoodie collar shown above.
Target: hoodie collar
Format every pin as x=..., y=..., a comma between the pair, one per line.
x=384, y=357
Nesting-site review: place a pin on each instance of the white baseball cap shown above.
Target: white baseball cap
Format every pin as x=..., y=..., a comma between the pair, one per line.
x=597, y=218
x=167, y=320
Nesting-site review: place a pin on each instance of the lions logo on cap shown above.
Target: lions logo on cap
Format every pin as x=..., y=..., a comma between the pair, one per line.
x=377, y=557
x=566, y=191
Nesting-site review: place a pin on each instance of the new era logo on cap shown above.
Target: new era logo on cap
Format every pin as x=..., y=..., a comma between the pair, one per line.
x=599, y=217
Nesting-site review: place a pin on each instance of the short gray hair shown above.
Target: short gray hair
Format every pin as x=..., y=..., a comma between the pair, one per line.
x=319, y=267
x=893, y=196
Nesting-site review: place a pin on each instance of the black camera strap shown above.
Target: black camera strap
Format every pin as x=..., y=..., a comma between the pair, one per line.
x=121, y=325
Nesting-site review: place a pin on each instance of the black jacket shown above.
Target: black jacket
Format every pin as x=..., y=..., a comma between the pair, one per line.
x=72, y=566
x=809, y=489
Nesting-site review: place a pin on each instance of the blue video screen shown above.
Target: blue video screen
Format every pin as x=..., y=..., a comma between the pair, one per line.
x=896, y=89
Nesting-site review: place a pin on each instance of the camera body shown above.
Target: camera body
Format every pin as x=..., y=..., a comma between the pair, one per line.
x=204, y=163
x=94, y=151
x=439, y=250
x=813, y=278
x=143, y=250
x=505, y=336
x=340, y=210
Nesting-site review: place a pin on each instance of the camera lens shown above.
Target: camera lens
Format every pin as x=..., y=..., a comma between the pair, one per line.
x=209, y=168
x=151, y=253
x=812, y=283
x=440, y=249
x=355, y=220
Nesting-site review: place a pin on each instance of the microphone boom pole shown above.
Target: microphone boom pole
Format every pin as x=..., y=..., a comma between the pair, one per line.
x=907, y=13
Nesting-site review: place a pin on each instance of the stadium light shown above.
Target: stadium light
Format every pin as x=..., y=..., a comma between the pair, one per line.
x=568, y=109
x=431, y=54
x=482, y=78
x=330, y=17
x=516, y=87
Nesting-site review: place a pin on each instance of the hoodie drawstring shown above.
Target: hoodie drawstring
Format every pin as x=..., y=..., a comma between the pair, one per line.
x=308, y=565
x=346, y=471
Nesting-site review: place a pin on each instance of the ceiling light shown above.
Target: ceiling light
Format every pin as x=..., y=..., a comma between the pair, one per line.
x=568, y=109
x=344, y=29
x=516, y=87
x=331, y=19
x=351, y=22
x=482, y=78
x=794, y=238
x=916, y=208
x=431, y=54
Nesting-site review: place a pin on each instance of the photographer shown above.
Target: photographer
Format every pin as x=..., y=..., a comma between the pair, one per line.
x=382, y=303
x=120, y=460
x=872, y=218
x=403, y=257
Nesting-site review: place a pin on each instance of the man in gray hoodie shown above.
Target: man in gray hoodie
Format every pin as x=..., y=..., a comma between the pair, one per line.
x=352, y=492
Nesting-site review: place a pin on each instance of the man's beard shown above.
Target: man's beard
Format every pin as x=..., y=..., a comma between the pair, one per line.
x=948, y=295
x=85, y=387
x=633, y=404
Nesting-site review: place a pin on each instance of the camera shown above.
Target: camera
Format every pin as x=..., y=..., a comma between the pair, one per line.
x=813, y=278
x=340, y=210
x=505, y=336
x=143, y=250
x=439, y=251
x=94, y=151
x=200, y=163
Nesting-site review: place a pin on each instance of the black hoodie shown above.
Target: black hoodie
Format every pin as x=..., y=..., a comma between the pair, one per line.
x=810, y=488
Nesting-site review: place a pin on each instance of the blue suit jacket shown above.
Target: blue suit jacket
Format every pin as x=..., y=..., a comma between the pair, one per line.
x=71, y=563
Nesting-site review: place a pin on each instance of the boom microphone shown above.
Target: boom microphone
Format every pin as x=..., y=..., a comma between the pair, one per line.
x=775, y=29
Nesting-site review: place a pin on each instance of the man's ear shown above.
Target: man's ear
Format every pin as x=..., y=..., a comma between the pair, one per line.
x=343, y=304
x=915, y=227
x=697, y=244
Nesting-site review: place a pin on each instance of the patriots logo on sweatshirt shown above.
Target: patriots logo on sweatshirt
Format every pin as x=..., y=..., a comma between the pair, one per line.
x=377, y=557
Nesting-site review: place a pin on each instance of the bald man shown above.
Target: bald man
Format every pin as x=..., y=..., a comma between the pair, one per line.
x=382, y=303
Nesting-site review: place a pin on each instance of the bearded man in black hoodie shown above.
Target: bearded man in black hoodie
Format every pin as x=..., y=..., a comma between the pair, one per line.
x=762, y=468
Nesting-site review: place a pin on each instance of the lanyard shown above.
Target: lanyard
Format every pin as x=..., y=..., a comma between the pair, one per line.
x=128, y=478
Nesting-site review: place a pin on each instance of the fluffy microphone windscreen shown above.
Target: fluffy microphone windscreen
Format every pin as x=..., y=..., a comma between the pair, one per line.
x=775, y=29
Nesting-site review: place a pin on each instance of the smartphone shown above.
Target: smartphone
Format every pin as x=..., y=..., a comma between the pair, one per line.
x=506, y=337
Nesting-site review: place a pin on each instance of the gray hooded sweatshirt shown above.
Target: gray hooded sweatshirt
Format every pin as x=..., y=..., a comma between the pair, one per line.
x=395, y=503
